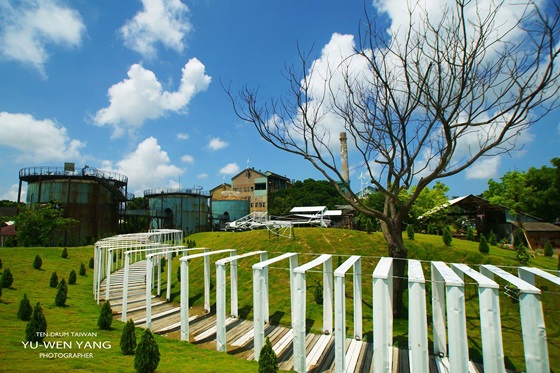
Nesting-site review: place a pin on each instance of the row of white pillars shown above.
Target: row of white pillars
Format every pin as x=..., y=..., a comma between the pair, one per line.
x=221, y=294
x=448, y=309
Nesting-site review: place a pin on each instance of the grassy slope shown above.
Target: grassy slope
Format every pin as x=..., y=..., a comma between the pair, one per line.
x=344, y=243
x=80, y=315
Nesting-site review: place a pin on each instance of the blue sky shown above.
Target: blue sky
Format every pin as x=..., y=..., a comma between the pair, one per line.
x=134, y=87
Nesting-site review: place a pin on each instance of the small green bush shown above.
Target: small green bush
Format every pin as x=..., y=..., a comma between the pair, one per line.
x=147, y=354
x=318, y=292
x=61, y=294
x=7, y=279
x=105, y=317
x=25, y=310
x=268, y=361
x=72, y=278
x=64, y=253
x=54, y=280
x=522, y=255
x=82, y=269
x=91, y=263
x=410, y=231
x=446, y=237
x=369, y=226
x=38, y=262
x=548, y=250
x=483, y=246
x=36, y=328
x=470, y=234
x=492, y=239
x=128, y=338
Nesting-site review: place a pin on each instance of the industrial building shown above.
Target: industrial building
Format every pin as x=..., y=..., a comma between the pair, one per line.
x=256, y=187
x=184, y=209
x=93, y=197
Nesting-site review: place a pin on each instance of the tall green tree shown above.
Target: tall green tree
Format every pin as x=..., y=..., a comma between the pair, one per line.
x=510, y=192
x=304, y=193
x=41, y=225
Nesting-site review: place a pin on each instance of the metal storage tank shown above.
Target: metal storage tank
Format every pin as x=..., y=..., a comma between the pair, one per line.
x=185, y=209
x=91, y=196
x=230, y=210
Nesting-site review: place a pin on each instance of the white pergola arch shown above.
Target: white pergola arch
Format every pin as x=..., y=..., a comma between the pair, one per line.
x=221, y=294
x=300, y=298
x=185, y=286
x=354, y=262
x=532, y=317
x=260, y=297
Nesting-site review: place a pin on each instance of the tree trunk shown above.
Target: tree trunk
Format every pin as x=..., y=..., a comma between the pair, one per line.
x=397, y=251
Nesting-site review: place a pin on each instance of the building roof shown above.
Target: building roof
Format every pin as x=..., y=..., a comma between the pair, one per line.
x=222, y=185
x=540, y=226
x=252, y=170
x=8, y=230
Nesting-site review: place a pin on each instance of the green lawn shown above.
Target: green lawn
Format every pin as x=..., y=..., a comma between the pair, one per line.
x=80, y=316
x=81, y=313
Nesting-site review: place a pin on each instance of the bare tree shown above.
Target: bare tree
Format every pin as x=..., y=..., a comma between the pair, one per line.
x=425, y=101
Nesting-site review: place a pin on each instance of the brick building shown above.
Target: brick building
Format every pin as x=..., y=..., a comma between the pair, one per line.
x=256, y=186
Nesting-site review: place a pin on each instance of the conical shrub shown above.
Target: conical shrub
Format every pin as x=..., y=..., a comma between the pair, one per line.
x=72, y=278
x=483, y=246
x=61, y=294
x=54, y=280
x=7, y=279
x=105, y=316
x=128, y=338
x=548, y=250
x=38, y=262
x=410, y=231
x=447, y=238
x=268, y=361
x=147, y=355
x=91, y=263
x=492, y=239
x=36, y=328
x=82, y=270
x=25, y=310
x=64, y=254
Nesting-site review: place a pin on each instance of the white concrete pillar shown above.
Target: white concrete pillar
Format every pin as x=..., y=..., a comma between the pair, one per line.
x=417, y=323
x=299, y=322
x=383, y=316
x=125, y=286
x=456, y=317
x=108, y=276
x=220, y=307
x=532, y=319
x=149, y=273
x=184, y=299
x=490, y=322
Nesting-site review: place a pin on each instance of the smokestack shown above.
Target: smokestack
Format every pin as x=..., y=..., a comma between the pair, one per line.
x=344, y=158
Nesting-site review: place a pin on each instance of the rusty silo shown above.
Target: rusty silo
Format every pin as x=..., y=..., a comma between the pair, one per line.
x=91, y=196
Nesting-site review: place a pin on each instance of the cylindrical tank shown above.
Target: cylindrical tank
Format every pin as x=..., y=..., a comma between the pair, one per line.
x=186, y=209
x=230, y=210
x=94, y=206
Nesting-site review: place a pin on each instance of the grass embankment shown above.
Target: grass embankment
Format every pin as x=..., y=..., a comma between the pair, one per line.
x=80, y=316
x=343, y=243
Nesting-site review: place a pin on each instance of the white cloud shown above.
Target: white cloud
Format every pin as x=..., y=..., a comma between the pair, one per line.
x=202, y=176
x=230, y=169
x=187, y=159
x=160, y=21
x=183, y=136
x=140, y=97
x=147, y=167
x=37, y=140
x=217, y=143
x=29, y=27
x=11, y=194
x=484, y=168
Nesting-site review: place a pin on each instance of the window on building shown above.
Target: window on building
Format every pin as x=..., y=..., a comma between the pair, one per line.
x=260, y=186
